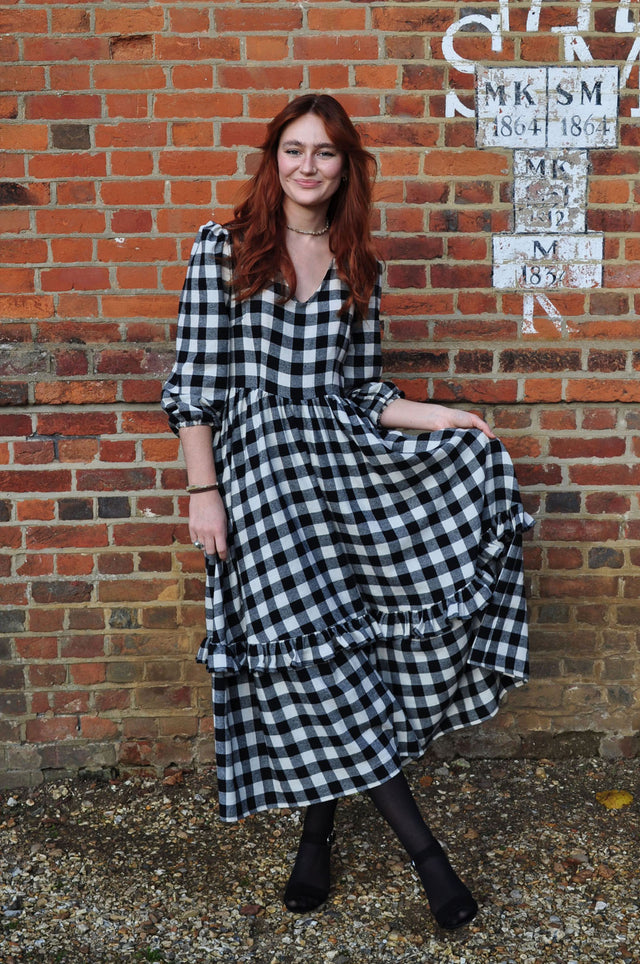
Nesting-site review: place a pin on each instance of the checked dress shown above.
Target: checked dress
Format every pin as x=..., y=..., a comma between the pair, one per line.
x=372, y=598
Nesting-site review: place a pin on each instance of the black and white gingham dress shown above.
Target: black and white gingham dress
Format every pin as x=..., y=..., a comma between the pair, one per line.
x=373, y=595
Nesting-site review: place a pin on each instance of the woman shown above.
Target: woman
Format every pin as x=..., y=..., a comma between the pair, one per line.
x=364, y=587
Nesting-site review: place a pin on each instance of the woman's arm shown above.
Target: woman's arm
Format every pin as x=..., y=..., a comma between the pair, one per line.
x=426, y=417
x=207, y=515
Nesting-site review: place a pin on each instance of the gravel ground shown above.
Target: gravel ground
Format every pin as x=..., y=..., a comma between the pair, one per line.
x=143, y=870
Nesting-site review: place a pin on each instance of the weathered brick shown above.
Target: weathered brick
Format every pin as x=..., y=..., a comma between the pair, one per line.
x=61, y=593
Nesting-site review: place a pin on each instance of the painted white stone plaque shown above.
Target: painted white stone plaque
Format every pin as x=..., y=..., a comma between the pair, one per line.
x=550, y=190
x=583, y=107
x=553, y=261
x=511, y=106
x=528, y=107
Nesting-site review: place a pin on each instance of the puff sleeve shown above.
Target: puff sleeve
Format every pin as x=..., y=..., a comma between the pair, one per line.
x=196, y=389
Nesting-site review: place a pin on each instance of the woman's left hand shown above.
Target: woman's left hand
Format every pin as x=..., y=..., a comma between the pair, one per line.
x=428, y=417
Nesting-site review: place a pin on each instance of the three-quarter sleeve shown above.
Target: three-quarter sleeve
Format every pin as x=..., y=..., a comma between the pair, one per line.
x=362, y=368
x=196, y=389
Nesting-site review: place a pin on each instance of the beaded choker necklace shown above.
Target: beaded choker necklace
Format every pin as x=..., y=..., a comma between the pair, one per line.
x=314, y=234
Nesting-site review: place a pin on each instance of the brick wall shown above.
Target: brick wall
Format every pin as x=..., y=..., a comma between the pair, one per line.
x=124, y=125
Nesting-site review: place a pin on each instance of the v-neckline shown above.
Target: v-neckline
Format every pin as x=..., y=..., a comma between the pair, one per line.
x=313, y=294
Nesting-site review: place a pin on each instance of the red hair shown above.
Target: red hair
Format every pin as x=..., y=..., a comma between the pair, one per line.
x=258, y=229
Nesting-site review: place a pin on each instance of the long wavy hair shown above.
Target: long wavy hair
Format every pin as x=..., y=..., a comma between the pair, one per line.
x=258, y=229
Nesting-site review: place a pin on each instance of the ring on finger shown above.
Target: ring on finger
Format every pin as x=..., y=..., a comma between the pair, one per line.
x=198, y=544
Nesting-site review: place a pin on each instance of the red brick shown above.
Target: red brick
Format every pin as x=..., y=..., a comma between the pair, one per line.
x=612, y=475
x=82, y=647
x=51, y=730
x=408, y=220
x=141, y=392
x=130, y=590
x=99, y=728
x=585, y=448
x=380, y=76
x=22, y=78
x=33, y=452
x=115, y=563
x=70, y=702
x=155, y=505
x=136, y=277
x=132, y=163
x=65, y=49
x=144, y=423
x=26, y=306
x=23, y=21
x=70, y=536
x=86, y=618
x=124, y=21
x=37, y=647
x=75, y=393
x=467, y=276
x=77, y=278
x=18, y=425
x=602, y=390
x=112, y=699
x=70, y=77
x=564, y=558
x=188, y=21
x=87, y=674
x=143, y=534
x=270, y=20
x=116, y=451
x=579, y=586
x=61, y=592
x=234, y=77
x=70, y=222
x=193, y=49
x=406, y=276
x=46, y=620
x=74, y=564
x=334, y=76
x=35, y=481
x=71, y=250
x=47, y=675
x=607, y=503
x=131, y=134
x=31, y=137
x=35, y=509
x=63, y=107
x=191, y=192
x=267, y=49
x=192, y=77
x=17, y=279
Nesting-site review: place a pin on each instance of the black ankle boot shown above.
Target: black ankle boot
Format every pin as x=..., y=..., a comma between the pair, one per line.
x=451, y=902
x=309, y=883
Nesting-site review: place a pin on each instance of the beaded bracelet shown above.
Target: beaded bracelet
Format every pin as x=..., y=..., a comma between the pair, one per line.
x=202, y=488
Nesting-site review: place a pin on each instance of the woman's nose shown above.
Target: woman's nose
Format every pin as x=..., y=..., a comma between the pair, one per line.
x=308, y=162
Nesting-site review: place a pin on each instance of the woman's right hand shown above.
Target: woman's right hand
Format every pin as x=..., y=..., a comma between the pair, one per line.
x=208, y=522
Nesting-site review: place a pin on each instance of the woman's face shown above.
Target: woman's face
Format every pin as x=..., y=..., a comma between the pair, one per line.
x=309, y=166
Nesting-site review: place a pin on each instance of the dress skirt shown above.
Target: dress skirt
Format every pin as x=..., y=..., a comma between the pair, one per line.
x=435, y=636
x=290, y=738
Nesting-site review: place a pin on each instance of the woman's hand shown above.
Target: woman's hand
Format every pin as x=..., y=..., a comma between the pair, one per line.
x=427, y=417
x=208, y=522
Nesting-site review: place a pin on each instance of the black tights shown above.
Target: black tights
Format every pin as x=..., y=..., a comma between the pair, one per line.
x=449, y=899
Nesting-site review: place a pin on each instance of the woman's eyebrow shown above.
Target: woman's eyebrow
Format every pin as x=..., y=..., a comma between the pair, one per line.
x=293, y=143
